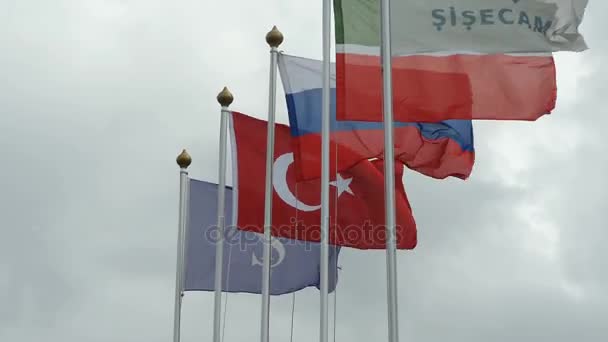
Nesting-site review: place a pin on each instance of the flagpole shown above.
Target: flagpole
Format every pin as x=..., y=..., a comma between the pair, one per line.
x=224, y=98
x=325, y=122
x=274, y=38
x=183, y=160
x=389, y=173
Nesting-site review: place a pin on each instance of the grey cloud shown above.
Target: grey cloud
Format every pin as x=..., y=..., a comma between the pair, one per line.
x=98, y=97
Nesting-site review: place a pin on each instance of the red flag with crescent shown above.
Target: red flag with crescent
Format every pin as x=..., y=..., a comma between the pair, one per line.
x=356, y=195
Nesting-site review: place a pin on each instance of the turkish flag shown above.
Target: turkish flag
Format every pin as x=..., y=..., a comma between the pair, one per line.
x=357, y=214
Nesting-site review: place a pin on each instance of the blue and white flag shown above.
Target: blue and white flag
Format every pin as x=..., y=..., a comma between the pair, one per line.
x=295, y=264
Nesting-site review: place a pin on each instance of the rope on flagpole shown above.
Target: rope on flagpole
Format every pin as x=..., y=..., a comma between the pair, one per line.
x=227, y=286
x=293, y=303
x=336, y=253
x=228, y=269
x=335, y=304
x=224, y=318
x=336, y=264
x=293, y=311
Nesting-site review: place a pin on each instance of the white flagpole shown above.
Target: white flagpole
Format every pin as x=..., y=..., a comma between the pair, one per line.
x=389, y=173
x=224, y=98
x=274, y=38
x=183, y=160
x=324, y=315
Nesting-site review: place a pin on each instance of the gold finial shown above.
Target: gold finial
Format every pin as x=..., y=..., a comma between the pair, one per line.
x=274, y=38
x=184, y=160
x=225, y=97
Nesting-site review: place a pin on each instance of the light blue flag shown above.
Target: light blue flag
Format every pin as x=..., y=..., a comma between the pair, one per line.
x=295, y=264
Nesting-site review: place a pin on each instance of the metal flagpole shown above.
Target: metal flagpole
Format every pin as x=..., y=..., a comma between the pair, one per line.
x=224, y=98
x=274, y=38
x=389, y=173
x=324, y=331
x=183, y=160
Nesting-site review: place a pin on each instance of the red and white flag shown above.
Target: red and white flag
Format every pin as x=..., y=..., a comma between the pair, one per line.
x=465, y=59
x=356, y=196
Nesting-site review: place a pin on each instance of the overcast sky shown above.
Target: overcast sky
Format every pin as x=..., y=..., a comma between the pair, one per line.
x=97, y=98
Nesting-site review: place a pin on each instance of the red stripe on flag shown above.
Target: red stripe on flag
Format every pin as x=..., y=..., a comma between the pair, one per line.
x=437, y=88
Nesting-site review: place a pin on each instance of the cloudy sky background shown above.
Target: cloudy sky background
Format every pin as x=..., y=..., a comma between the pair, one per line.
x=98, y=97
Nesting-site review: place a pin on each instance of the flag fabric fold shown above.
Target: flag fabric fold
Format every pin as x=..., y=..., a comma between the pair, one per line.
x=356, y=195
x=295, y=264
x=475, y=59
x=438, y=150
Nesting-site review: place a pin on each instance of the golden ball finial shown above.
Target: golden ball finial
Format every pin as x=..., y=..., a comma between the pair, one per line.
x=184, y=160
x=225, y=97
x=274, y=38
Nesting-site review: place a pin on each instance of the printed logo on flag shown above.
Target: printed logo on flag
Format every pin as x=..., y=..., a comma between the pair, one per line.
x=539, y=19
x=275, y=244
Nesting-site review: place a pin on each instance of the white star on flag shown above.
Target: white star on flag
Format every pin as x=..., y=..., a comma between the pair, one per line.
x=342, y=185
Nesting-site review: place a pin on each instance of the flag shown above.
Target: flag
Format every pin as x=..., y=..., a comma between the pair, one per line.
x=480, y=26
x=357, y=212
x=470, y=59
x=438, y=150
x=294, y=264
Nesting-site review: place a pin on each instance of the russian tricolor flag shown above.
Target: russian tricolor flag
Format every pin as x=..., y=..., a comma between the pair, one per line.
x=438, y=150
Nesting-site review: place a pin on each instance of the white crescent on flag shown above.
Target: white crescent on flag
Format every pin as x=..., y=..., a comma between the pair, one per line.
x=279, y=181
